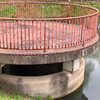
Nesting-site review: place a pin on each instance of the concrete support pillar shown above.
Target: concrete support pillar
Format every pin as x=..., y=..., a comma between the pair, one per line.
x=1, y=65
x=0, y=69
x=72, y=65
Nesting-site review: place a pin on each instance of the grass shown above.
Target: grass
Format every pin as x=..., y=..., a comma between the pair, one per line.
x=94, y=4
x=45, y=10
x=4, y=95
x=14, y=96
x=4, y=0
x=39, y=10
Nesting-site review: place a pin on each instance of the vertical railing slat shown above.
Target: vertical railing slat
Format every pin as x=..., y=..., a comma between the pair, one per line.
x=21, y=35
x=13, y=35
x=6, y=34
x=32, y=34
x=10, y=32
x=2, y=34
x=17, y=35
x=44, y=35
x=84, y=31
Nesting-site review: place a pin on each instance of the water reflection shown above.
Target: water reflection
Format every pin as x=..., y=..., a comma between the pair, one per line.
x=84, y=97
x=91, y=86
x=77, y=95
x=91, y=62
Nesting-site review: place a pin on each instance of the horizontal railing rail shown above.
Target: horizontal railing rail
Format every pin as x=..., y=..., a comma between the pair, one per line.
x=41, y=26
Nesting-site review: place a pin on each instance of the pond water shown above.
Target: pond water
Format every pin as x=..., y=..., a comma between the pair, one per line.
x=90, y=89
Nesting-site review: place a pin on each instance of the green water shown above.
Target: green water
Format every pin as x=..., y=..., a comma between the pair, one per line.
x=90, y=90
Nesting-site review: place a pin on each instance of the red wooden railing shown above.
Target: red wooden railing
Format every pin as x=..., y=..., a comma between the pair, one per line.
x=41, y=26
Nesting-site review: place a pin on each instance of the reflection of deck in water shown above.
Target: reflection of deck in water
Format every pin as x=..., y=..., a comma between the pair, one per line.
x=76, y=95
x=32, y=35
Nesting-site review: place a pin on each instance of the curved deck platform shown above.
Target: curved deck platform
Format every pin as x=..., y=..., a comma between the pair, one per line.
x=30, y=57
x=41, y=33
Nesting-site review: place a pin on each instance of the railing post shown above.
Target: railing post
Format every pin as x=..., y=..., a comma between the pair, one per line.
x=93, y=28
x=43, y=10
x=81, y=32
x=44, y=35
x=96, y=16
x=68, y=11
x=0, y=11
x=84, y=31
x=15, y=10
x=2, y=33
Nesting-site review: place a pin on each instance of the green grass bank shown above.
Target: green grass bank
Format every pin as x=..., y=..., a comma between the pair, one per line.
x=4, y=95
x=94, y=4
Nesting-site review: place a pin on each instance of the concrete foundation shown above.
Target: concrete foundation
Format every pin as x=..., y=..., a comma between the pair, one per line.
x=57, y=85
x=72, y=65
